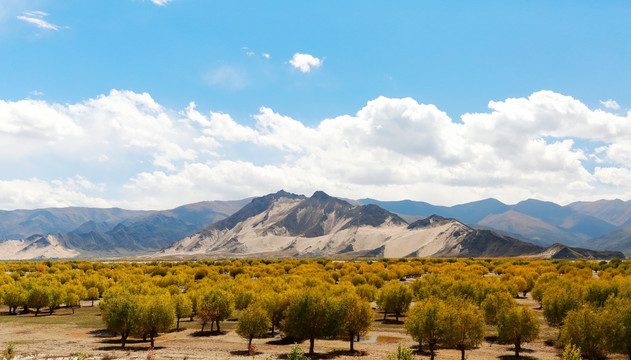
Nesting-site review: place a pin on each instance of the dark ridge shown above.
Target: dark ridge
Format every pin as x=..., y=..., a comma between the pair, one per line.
x=372, y=215
x=320, y=195
x=480, y=243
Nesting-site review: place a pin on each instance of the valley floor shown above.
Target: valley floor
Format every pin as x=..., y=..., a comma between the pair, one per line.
x=62, y=336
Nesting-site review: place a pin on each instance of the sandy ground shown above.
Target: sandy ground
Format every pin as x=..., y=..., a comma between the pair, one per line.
x=63, y=335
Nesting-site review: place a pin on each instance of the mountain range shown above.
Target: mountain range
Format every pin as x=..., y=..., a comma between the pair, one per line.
x=284, y=224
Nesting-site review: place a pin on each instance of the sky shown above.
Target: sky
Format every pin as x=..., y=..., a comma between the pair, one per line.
x=158, y=103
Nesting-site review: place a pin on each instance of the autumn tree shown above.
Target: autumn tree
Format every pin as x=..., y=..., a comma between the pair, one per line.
x=394, y=297
x=463, y=326
x=495, y=303
x=619, y=310
x=516, y=325
x=309, y=316
x=157, y=315
x=216, y=306
x=424, y=323
x=121, y=313
x=356, y=317
x=93, y=294
x=590, y=330
x=253, y=322
x=557, y=302
x=275, y=305
x=183, y=307
x=38, y=297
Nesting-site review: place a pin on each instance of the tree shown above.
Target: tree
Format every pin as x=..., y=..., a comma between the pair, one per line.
x=619, y=310
x=356, y=318
x=516, y=325
x=217, y=305
x=55, y=298
x=572, y=352
x=590, y=330
x=494, y=304
x=157, y=315
x=14, y=296
x=183, y=307
x=557, y=301
x=93, y=294
x=424, y=323
x=72, y=300
x=275, y=304
x=253, y=322
x=463, y=326
x=311, y=316
x=38, y=297
x=121, y=313
x=394, y=297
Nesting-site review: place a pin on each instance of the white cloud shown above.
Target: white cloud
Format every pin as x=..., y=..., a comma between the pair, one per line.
x=161, y=2
x=266, y=55
x=610, y=104
x=37, y=18
x=305, y=62
x=389, y=149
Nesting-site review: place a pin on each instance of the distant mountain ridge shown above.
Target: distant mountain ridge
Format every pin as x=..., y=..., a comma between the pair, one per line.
x=532, y=220
x=135, y=232
x=284, y=224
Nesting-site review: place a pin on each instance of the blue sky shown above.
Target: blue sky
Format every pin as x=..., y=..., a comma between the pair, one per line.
x=151, y=104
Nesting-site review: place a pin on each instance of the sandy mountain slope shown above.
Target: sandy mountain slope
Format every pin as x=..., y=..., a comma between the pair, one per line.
x=284, y=224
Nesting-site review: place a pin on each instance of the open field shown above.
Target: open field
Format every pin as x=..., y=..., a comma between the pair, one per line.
x=63, y=335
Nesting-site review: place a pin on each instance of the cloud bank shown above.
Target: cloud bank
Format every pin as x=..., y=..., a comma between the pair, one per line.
x=125, y=149
x=305, y=62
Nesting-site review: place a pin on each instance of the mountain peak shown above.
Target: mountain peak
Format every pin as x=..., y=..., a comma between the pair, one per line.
x=320, y=195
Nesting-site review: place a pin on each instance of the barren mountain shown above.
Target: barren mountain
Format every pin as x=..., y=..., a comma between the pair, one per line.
x=284, y=224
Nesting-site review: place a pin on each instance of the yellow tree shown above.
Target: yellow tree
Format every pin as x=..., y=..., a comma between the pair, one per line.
x=463, y=326
x=516, y=325
x=424, y=323
x=356, y=317
x=253, y=322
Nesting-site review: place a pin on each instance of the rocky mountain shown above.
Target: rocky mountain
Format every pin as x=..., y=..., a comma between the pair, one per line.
x=284, y=224
x=537, y=221
x=615, y=212
x=143, y=233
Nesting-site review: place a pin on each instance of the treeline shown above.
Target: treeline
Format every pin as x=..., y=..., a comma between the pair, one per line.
x=446, y=302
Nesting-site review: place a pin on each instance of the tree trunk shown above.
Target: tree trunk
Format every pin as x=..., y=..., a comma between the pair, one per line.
x=517, y=348
x=218, y=330
x=92, y=302
x=151, y=337
x=396, y=316
x=384, y=315
x=203, y=327
x=352, y=341
x=123, y=340
x=311, y=345
x=432, y=346
x=50, y=310
x=178, y=324
x=272, y=329
x=462, y=354
x=72, y=308
x=250, y=343
x=36, y=311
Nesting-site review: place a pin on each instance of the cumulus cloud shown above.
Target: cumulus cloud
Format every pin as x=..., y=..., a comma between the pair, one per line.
x=305, y=62
x=389, y=149
x=610, y=104
x=37, y=18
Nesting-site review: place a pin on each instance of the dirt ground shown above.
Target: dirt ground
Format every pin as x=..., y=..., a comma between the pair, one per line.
x=64, y=335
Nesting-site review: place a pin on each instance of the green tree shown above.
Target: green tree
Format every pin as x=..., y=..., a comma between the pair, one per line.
x=357, y=317
x=55, y=298
x=557, y=301
x=463, y=326
x=14, y=296
x=121, y=313
x=424, y=323
x=309, y=316
x=275, y=304
x=253, y=322
x=517, y=325
x=394, y=297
